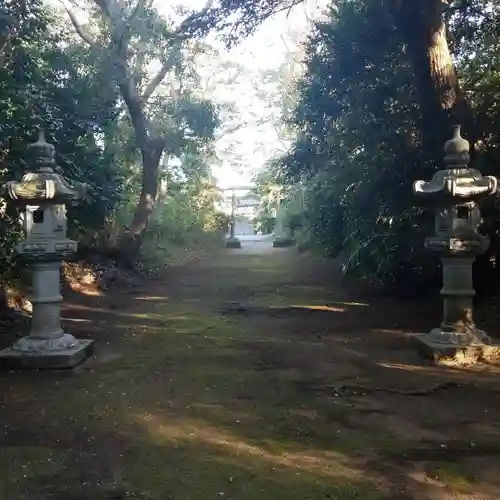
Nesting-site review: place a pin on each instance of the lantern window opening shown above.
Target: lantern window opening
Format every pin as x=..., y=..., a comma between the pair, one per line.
x=462, y=212
x=38, y=216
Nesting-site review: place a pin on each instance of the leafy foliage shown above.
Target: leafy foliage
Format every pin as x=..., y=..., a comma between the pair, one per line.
x=50, y=78
x=234, y=18
x=40, y=85
x=358, y=145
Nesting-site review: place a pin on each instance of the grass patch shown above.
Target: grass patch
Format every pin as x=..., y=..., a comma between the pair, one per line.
x=201, y=405
x=201, y=472
x=220, y=427
x=454, y=475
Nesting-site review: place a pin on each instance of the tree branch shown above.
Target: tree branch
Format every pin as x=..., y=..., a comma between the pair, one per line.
x=4, y=46
x=79, y=27
x=5, y=35
x=6, y=23
x=182, y=29
x=137, y=117
x=162, y=73
x=139, y=57
x=4, y=38
x=140, y=5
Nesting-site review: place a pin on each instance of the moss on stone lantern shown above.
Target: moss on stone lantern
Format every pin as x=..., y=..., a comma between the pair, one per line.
x=41, y=197
x=454, y=194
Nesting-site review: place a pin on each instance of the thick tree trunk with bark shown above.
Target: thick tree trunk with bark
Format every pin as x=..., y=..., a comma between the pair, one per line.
x=442, y=102
x=151, y=151
x=151, y=146
x=131, y=241
x=5, y=35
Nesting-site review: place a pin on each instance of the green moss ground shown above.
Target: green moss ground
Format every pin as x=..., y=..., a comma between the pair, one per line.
x=180, y=403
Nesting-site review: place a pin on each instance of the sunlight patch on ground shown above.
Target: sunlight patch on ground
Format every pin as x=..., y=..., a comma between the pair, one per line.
x=76, y=320
x=450, y=474
x=399, y=332
x=146, y=316
x=152, y=298
x=486, y=372
x=89, y=292
x=361, y=304
x=187, y=431
x=438, y=483
x=315, y=308
x=408, y=367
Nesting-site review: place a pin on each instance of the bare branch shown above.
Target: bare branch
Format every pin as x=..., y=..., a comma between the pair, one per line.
x=5, y=34
x=139, y=58
x=140, y=5
x=153, y=84
x=160, y=76
x=169, y=63
x=4, y=38
x=4, y=52
x=79, y=27
x=6, y=23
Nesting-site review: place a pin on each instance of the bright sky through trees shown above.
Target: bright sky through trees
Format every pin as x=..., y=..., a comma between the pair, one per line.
x=256, y=112
x=245, y=151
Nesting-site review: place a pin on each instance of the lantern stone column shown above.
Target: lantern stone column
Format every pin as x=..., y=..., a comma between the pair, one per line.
x=233, y=241
x=282, y=236
x=42, y=195
x=454, y=194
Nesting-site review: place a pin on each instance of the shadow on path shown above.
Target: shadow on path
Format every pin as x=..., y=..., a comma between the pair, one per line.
x=250, y=375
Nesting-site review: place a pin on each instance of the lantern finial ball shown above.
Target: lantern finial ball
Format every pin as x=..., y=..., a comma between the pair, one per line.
x=457, y=144
x=41, y=154
x=41, y=136
x=456, y=150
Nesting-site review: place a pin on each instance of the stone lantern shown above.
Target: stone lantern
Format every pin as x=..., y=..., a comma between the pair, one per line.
x=232, y=241
x=282, y=234
x=42, y=196
x=454, y=193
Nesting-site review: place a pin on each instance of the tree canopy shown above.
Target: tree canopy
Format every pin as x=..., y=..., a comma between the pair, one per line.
x=122, y=100
x=127, y=134
x=368, y=123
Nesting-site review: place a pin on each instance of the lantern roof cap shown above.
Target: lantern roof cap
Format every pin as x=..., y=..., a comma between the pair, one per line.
x=42, y=183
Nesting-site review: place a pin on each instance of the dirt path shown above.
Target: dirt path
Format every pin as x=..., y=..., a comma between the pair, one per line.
x=250, y=375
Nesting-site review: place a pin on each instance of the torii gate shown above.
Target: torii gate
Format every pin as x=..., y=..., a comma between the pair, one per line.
x=233, y=241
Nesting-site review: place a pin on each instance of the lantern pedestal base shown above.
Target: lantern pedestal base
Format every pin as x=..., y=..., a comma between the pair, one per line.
x=12, y=359
x=282, y=242
x=233, y=242
x=449, y=354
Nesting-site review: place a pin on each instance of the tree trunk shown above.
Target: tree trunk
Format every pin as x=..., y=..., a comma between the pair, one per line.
x=442, y=102
x=132, y=239
x=6, y=23
x=151, y=147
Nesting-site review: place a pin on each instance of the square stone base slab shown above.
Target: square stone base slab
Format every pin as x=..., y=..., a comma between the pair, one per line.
x=455, y=355
x=233, y=243
x=282, y=242
x=57, y=360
